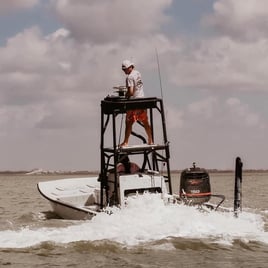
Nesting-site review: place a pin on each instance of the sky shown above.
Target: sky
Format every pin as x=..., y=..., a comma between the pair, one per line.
x=60, y=58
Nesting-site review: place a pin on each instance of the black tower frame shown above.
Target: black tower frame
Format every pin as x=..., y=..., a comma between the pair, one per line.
x=153, y=155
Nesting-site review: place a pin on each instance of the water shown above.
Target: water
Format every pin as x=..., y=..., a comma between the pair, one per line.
x=146, y=234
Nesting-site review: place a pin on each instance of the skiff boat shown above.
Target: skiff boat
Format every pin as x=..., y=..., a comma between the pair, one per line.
x=83, y=198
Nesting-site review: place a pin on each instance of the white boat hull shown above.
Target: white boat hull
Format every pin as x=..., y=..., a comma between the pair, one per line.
x=80, y=198
x=74, y=198
x=66, y=211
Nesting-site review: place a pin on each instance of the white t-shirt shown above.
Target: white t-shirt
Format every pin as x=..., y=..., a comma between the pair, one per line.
x=134, y=80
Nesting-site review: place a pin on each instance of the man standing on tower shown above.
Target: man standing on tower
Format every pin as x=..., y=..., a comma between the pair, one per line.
x=134, y=90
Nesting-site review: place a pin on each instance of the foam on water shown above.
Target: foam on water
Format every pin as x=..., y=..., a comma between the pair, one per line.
x=146, y=219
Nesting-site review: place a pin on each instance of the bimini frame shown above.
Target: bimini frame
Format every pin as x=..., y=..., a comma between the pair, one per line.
x=154, y=156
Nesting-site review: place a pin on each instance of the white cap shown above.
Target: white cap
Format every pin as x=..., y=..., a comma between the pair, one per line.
x=126, y=64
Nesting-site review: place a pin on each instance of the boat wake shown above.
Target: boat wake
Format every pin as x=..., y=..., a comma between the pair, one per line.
x=146, y=220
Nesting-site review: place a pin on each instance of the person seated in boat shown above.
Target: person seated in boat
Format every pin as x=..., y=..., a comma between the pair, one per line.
x=134, y=87
x=127, y=167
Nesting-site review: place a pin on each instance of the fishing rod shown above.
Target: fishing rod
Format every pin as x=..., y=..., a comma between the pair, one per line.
x=159, y=72
x=162, y=97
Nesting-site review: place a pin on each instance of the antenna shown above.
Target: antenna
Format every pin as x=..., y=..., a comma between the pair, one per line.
x=161, y=88
x=159, y=73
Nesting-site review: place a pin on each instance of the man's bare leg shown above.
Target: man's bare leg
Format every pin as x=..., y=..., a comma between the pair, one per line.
x=127, y=133
x=148, y=131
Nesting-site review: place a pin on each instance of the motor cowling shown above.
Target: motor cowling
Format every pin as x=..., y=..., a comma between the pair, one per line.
x=195, y=185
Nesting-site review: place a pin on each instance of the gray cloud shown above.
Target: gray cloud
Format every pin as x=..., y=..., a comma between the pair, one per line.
x=240, y=19
x=111, y=20
x=52, y=85
x=13, y=5
x=219, y=64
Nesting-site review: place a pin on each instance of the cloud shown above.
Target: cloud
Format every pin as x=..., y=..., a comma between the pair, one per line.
x=67, y=113
x=232, y=113
x=12, y=5
x=240, y=19
x=203, y=108
x=242, y=115
x=215, y=131
x=235, y=58
x=111, y=20
x=14, y=120
x=175, y=118
x=219, y=64
x=59, y=76
x=29, y=47
x=52, y=85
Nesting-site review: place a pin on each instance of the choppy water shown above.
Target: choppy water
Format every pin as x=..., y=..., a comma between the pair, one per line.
x=146, y=234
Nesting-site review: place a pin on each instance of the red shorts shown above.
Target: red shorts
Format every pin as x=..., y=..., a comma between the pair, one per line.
x=136, y=115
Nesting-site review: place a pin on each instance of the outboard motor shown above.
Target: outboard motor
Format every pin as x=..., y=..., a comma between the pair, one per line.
x=195, y=185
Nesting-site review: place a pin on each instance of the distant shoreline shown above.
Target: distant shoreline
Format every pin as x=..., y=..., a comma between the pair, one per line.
x=30, y=173
x=81, y=172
